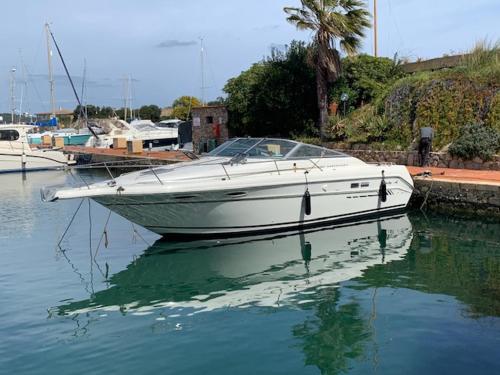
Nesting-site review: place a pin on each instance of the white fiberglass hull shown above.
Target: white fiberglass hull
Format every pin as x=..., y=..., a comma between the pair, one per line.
x=15, y=162
x=256, y=210
x=255, y=203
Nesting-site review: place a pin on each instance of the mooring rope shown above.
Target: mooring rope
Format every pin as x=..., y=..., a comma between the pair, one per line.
x=69, y=225
x=103, y=235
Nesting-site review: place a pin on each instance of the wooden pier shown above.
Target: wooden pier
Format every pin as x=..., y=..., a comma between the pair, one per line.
x=99, y=155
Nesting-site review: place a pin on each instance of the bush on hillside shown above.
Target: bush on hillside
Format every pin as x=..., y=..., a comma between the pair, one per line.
x=447, y=99
x=363, y=78
x=362, y=126
x=476, y=140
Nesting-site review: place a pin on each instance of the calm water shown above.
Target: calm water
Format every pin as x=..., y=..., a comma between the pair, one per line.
x=410, y=294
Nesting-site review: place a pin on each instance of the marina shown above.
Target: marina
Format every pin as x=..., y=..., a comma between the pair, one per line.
x=275, y=187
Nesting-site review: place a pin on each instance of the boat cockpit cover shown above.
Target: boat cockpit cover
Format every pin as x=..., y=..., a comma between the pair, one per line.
x=272, y=148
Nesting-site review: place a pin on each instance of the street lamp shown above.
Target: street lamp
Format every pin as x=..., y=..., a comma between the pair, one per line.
x=344, y=98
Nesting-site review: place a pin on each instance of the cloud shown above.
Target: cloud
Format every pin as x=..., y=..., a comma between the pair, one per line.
x=176, y=43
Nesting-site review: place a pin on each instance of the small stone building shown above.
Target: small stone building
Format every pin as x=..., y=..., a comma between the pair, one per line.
x=209, y=127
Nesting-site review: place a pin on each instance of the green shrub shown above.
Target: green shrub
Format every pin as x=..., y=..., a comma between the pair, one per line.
x=476, y=141
x=364, y=125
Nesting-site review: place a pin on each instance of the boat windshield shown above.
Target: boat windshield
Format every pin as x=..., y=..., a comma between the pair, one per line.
x=144, y=127
x=234, y=147
x=255, y=148
x=309, y=151
x=272, y=148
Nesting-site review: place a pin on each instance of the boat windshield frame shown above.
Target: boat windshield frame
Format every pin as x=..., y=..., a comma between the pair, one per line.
x=291, y=154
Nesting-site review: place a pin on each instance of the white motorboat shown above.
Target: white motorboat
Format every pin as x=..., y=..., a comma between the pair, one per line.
x=17, y=155
x=144, y=130
x=251, y=185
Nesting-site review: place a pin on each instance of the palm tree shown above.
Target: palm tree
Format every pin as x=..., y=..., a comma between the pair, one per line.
x=336, y=23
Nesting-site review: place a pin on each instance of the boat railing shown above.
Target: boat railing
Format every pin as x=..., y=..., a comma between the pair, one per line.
x=274, y=167
x=294, y=168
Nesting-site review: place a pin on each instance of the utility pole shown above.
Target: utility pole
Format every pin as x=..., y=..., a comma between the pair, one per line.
x=51, y=74
x=375, y=36
x=12, y=94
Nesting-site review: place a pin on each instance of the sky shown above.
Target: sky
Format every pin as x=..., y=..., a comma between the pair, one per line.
x=157, y=43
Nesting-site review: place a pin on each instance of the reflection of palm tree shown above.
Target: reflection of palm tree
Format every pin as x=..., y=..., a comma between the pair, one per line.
x=336, y=334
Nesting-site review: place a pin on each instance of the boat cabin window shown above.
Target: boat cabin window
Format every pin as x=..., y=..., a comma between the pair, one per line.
x=232, y=148
x=9, y=135
x=271, y=148
x=308, y=151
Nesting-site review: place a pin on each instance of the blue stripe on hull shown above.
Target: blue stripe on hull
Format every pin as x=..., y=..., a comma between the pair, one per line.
x=29, y=170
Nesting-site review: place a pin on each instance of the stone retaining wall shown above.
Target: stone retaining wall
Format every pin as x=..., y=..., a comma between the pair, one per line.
x=410, y=158
x=455, y=197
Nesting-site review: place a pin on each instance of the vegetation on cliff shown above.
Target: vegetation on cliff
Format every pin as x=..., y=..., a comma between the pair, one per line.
x=447, y=100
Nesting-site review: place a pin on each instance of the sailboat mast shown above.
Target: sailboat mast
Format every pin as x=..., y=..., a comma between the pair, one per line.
x=125, y=97
x=51, y=74
x=202, y=57
x=24, y=87
x=129, y=85
x=12, y=94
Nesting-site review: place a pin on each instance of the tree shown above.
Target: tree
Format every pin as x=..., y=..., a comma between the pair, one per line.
x=219, y=101
x=275, y=96
x=150, y=112
x=335, y=23
x=181, y=107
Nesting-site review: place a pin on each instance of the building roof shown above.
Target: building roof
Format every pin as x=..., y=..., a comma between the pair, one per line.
x=205, y=107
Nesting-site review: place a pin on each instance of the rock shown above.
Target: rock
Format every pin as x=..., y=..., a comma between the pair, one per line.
x=494, y=201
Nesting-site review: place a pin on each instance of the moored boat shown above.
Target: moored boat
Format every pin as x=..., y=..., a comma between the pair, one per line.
x=251, y=185
x=16, y=154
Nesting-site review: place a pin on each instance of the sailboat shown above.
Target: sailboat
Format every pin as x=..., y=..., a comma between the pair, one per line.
x=71, y=136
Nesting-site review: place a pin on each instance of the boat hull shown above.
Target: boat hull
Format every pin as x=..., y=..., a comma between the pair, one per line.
x=257, y=210
x=76, y=139
x=14, y=163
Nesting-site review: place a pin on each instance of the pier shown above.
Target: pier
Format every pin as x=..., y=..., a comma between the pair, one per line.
x=457, y=190
x=99, y=155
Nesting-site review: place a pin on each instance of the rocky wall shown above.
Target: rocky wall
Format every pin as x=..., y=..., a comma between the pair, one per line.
x=410, y=158
x=456, y=197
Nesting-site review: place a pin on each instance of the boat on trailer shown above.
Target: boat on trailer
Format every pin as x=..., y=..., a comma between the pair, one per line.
x=16, y=154
x=251, y=185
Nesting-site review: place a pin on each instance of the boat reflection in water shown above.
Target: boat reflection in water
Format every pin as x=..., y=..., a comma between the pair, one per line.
x=269, y=271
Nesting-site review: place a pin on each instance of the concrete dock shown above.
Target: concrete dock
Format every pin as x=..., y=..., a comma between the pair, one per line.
x=457, y=190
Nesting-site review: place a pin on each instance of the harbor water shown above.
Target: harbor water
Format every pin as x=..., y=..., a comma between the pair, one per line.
x=408, y=294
